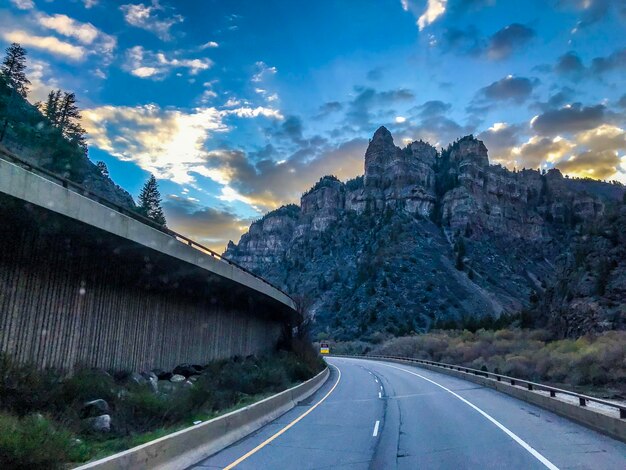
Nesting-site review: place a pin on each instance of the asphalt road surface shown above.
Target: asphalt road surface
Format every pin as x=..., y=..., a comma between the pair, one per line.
x=383, y=415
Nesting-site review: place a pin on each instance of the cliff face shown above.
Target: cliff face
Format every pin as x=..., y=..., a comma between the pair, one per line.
x=423, y=237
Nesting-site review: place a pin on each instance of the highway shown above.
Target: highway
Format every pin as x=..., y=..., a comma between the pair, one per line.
x=383, y=415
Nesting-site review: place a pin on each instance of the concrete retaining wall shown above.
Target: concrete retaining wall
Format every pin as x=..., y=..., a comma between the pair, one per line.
x=187, y=447
x=612, y=426
x=82, y=285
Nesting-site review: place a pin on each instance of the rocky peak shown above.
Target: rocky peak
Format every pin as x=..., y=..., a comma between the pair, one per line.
x=423, y=152
x=469, y=150
x=380, y=152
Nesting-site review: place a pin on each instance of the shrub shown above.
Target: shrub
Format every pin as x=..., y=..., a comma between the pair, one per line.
x=32, y=443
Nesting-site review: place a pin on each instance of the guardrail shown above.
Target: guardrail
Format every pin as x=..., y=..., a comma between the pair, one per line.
x=553, y=391
x=78, y=188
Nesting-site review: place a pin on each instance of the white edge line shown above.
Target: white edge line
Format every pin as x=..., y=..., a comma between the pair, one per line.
x=375, y=433
x=510, y=433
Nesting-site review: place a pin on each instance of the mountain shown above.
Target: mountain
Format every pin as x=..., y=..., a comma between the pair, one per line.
x=31, y=137
x=429, y=239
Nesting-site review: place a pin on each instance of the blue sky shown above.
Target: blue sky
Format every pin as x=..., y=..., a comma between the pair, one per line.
x=239, y=106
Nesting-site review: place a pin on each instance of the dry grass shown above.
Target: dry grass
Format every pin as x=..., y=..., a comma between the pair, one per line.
x=593, y=363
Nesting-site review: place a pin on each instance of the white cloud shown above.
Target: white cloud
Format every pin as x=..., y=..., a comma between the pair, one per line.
x=150, y=18
x=90, y=3
x=147, y=64
x=434, y=10
x=23, y=4
x=40, y=86
x=405, y=5
x=248, y=112
x=85, y=33
x=169, y=143
x=262, y=71
x=210, y=44
x=48, y=43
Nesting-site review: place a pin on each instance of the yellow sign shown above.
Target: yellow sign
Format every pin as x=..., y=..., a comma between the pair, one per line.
x=324, y=349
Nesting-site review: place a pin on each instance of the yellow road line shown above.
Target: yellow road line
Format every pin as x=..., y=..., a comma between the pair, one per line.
x=270, y=439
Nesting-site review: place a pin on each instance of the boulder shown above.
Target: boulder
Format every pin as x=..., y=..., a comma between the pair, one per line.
x=177, y=378
x=152, y=379
x=100, y=423
x=187, y=370
x=161, y=374
x=94, y=408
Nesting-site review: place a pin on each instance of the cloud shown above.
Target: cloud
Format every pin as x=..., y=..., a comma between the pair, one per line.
x=502, y=44
x=375, y=74
x=151, y=18
x=169, y=143
x=156, y=65
x=329, y=108
x=209, y=45
x=433, y=108
x=557, y=100
x=90, y=3
x=209, y=226
x=40, y=86
x=614, y=61
x=538, y=150
x=569, y=63
x=434, y=9
x=593, y=11
x=85, y=33
x=47, y=43
x=510, y=88
x=23, y=4
x=596, y=165
x=569, y=119
x=598, y=153
x=270, y=182
x=368, y=103
x=263, y=70
x=500, y=139
x=164, y=142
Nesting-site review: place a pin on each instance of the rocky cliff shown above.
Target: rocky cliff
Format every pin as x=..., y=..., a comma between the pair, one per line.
x=424, y=238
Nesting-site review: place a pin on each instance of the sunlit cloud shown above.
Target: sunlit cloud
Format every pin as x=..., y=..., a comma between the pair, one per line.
x=47, y=43
x=156, y=65
x=434, y=9
x=151, y=18
x=23, y=4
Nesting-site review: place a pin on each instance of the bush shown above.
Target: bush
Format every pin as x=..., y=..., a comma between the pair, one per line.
x=33, y=442
x=596, y=361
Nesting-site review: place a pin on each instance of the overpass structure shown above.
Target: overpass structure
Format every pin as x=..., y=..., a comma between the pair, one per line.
x=86, y=282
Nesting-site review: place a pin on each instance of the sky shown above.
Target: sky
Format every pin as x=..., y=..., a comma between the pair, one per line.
x=239, y=106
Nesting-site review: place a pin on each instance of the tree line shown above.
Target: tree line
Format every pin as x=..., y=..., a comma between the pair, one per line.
x=62, y=113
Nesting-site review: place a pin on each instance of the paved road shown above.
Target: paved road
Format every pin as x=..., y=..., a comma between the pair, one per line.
x=380, y=415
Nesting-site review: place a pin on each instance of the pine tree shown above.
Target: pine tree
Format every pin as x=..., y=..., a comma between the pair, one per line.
x=13, y=67
x=103, y=169
x=150, y=201
x=12, y=74
x=63, y=113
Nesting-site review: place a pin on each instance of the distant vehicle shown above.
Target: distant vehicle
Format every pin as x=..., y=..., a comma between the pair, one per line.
x=324, y=348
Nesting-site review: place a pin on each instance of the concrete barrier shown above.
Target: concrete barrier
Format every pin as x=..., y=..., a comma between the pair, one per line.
x=609, y=425
x=186, y=447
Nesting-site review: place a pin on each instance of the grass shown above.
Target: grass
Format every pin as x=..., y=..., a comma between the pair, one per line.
x=40, y=425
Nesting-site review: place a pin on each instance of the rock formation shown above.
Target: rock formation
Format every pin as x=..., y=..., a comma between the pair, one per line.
x=423, y=237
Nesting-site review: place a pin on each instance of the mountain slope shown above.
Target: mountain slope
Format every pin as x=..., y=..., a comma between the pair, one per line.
x=423, y=239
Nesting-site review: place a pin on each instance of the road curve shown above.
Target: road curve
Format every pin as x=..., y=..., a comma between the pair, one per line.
x=382, y=415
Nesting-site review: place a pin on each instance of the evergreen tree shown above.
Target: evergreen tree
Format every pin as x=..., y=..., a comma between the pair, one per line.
x=150, y=201
x=13, y=67
x=12, y=73
x=63, y=113
x=103, y=169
